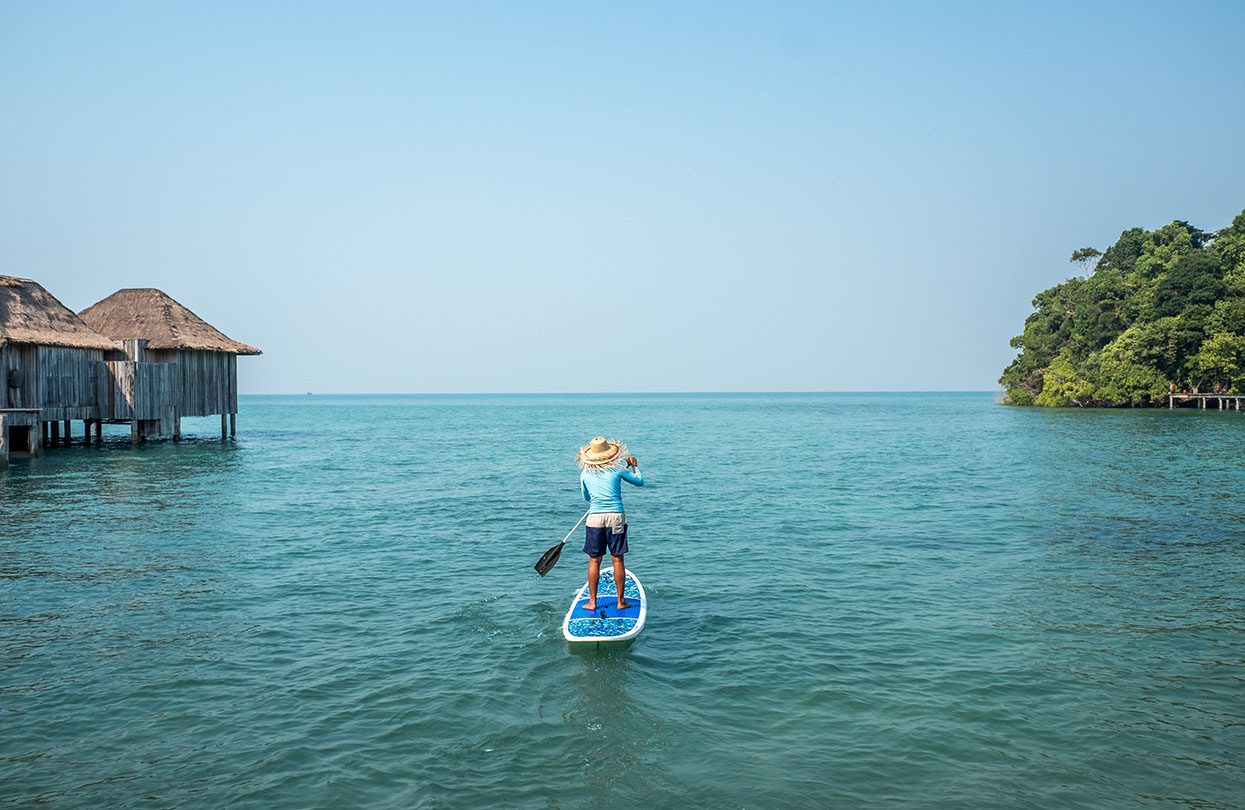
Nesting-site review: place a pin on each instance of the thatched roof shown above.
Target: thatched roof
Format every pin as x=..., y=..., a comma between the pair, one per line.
x=31, y=314
x=149, y=314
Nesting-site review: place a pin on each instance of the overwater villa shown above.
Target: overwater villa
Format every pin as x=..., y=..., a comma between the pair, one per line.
x=176, y=364
x=51, y=362
x=138, y=357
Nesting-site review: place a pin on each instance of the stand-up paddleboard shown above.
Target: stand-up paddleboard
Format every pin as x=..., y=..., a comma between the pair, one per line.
x=607, y=623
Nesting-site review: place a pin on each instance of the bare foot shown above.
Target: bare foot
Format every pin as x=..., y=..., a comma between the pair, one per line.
x=589, y=607
x=623, y=605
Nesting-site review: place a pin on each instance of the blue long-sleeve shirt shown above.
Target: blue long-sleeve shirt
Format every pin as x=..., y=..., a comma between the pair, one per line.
x=603, y=488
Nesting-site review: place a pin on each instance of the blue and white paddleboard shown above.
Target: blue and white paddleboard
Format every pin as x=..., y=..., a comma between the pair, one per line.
x=607, y=623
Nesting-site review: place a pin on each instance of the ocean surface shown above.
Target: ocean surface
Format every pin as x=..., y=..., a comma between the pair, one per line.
x=896, y=600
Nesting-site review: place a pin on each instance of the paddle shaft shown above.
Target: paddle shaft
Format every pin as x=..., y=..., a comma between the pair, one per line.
x=573, y=528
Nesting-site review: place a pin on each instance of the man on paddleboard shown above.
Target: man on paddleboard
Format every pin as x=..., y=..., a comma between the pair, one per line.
x=603, y=465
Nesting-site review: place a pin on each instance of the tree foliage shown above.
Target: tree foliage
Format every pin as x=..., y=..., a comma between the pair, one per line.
x=1160, y=308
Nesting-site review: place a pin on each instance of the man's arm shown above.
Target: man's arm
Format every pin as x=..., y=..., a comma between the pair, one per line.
x=634, y=476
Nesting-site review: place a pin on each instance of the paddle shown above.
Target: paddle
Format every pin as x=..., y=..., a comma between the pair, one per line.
x=550, y=558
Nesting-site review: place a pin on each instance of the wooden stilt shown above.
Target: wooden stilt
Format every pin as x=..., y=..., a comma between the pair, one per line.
x=68, y=432
x=56, y=433
x=233, y=425
x=224, y=427
x=133, y=431
x=86, y=431
x=46, y=430
x=99, y=431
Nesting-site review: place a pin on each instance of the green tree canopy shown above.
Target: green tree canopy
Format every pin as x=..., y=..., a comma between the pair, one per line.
x=1161, y=308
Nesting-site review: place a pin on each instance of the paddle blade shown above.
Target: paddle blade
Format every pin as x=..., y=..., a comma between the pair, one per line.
x=549, y=559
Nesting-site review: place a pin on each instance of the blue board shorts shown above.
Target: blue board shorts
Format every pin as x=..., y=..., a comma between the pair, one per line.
x=606, y=530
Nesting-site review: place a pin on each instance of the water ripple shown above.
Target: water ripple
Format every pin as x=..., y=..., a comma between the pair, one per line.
x=921, y=600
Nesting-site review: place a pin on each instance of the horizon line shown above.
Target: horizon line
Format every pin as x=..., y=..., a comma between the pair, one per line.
x=610, y=393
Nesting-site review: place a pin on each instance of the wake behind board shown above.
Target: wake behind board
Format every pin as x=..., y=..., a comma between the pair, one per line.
x=607, y=623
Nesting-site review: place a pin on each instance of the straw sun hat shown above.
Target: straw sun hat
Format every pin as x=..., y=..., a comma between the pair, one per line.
x=601, y=453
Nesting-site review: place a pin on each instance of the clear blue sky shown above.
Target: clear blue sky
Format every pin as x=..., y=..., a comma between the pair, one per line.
x=395, y=197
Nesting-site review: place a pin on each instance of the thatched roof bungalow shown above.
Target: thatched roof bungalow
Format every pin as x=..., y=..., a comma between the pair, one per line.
x=49, y=363
x=198, y=359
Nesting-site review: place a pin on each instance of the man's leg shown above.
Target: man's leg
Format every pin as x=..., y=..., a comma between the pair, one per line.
x=620, y=579
x=594, y=574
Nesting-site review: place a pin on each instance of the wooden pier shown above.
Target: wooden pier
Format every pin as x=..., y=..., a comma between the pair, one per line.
x=1223, y=402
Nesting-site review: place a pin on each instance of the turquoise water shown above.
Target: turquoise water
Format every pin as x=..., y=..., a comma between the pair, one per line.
x=897, y=600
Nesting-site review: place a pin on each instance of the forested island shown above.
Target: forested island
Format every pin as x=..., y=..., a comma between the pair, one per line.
x=1158, y=310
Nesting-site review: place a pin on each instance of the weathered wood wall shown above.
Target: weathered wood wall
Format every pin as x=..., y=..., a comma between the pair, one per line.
x=68, y=380
x=154, y=388
x=116, y=389
x=129, y=390
x=136, y=349
x=69, y=383
x=19, y=376
x=62, y=381
x=209, y=383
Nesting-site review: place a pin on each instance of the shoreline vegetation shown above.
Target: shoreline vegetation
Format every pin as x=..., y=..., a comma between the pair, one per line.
x=1159, y=311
